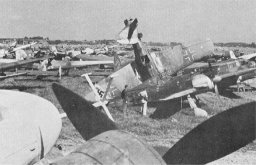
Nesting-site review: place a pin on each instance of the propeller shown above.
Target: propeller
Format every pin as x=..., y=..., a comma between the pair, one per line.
x=218, y=136
x=87, y=119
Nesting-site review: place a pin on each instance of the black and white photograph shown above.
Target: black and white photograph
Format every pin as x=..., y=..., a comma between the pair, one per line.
x=127, y=82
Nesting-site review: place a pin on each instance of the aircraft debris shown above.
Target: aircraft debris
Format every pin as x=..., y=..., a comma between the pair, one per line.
x=217, y=133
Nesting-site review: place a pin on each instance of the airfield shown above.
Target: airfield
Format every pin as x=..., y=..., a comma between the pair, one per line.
x=162, y=129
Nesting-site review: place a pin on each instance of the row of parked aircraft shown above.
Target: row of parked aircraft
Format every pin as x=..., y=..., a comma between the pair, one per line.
x=31, y=125
x=14, y=56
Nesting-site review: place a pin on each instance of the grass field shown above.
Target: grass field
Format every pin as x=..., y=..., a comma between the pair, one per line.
x=157, y=129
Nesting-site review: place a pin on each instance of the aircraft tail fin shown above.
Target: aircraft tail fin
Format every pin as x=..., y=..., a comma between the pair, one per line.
x=129, y=34
x=54, y=49
x=20, y=54
x=232, y=55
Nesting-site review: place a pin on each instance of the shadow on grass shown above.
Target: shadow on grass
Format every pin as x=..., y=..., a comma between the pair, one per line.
x=167, y=108
x=228, y=93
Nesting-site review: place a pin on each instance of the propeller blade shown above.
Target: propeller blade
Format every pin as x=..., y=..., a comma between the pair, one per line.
x=87, y=119
x=219, y=136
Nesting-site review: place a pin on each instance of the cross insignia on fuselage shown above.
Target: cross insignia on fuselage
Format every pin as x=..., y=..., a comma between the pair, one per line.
x=188, y=55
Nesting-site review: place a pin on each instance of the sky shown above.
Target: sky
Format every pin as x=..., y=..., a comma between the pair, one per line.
x=159, y=20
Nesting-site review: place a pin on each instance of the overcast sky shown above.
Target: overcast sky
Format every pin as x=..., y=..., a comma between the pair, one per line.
x=159, y=20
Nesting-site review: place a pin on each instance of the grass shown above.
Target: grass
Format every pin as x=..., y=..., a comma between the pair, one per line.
x=156, y=132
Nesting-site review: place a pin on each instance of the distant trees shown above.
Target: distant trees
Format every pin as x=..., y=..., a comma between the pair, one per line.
x=157, y=44
x=253, y=45
x=37, y=38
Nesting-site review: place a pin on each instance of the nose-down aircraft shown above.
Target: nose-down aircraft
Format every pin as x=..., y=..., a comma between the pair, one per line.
x=155, y=72
x=29, y=126
x=216, y=137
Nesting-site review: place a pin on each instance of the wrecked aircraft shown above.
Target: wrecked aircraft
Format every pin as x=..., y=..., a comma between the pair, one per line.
x=108, y=145
x=155, y=72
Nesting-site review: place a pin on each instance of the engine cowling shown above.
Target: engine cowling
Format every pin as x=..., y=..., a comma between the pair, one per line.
x=202, y=81
x=113, y=147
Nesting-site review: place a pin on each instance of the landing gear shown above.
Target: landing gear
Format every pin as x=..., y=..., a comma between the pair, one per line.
x=193, y=104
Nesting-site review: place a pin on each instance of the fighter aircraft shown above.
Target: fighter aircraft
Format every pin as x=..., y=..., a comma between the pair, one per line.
x=29, y=126
x=216, y=137
x=155, y=72
x=225, y=73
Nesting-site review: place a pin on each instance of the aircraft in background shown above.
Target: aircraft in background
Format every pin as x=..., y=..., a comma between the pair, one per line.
x=247, y=57
x=58, y=54
x=29, y=126
x=64, y=66
x=13, y=49
x=100, y=57
x=105, y=144
x=225, y=73
x=154, y=72
x=17, y=64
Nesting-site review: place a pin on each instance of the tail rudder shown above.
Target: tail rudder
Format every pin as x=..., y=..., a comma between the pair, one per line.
x=129, y=34
x=232, y=55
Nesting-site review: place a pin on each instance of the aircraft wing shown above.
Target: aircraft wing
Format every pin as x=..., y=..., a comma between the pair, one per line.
x=218, y=78
x=7, y=66
x=5, y=60
x=23, y=46
x=87, y=57
x=76, y=64
x=248, y=56
x=13, y=75
x=180, y=94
